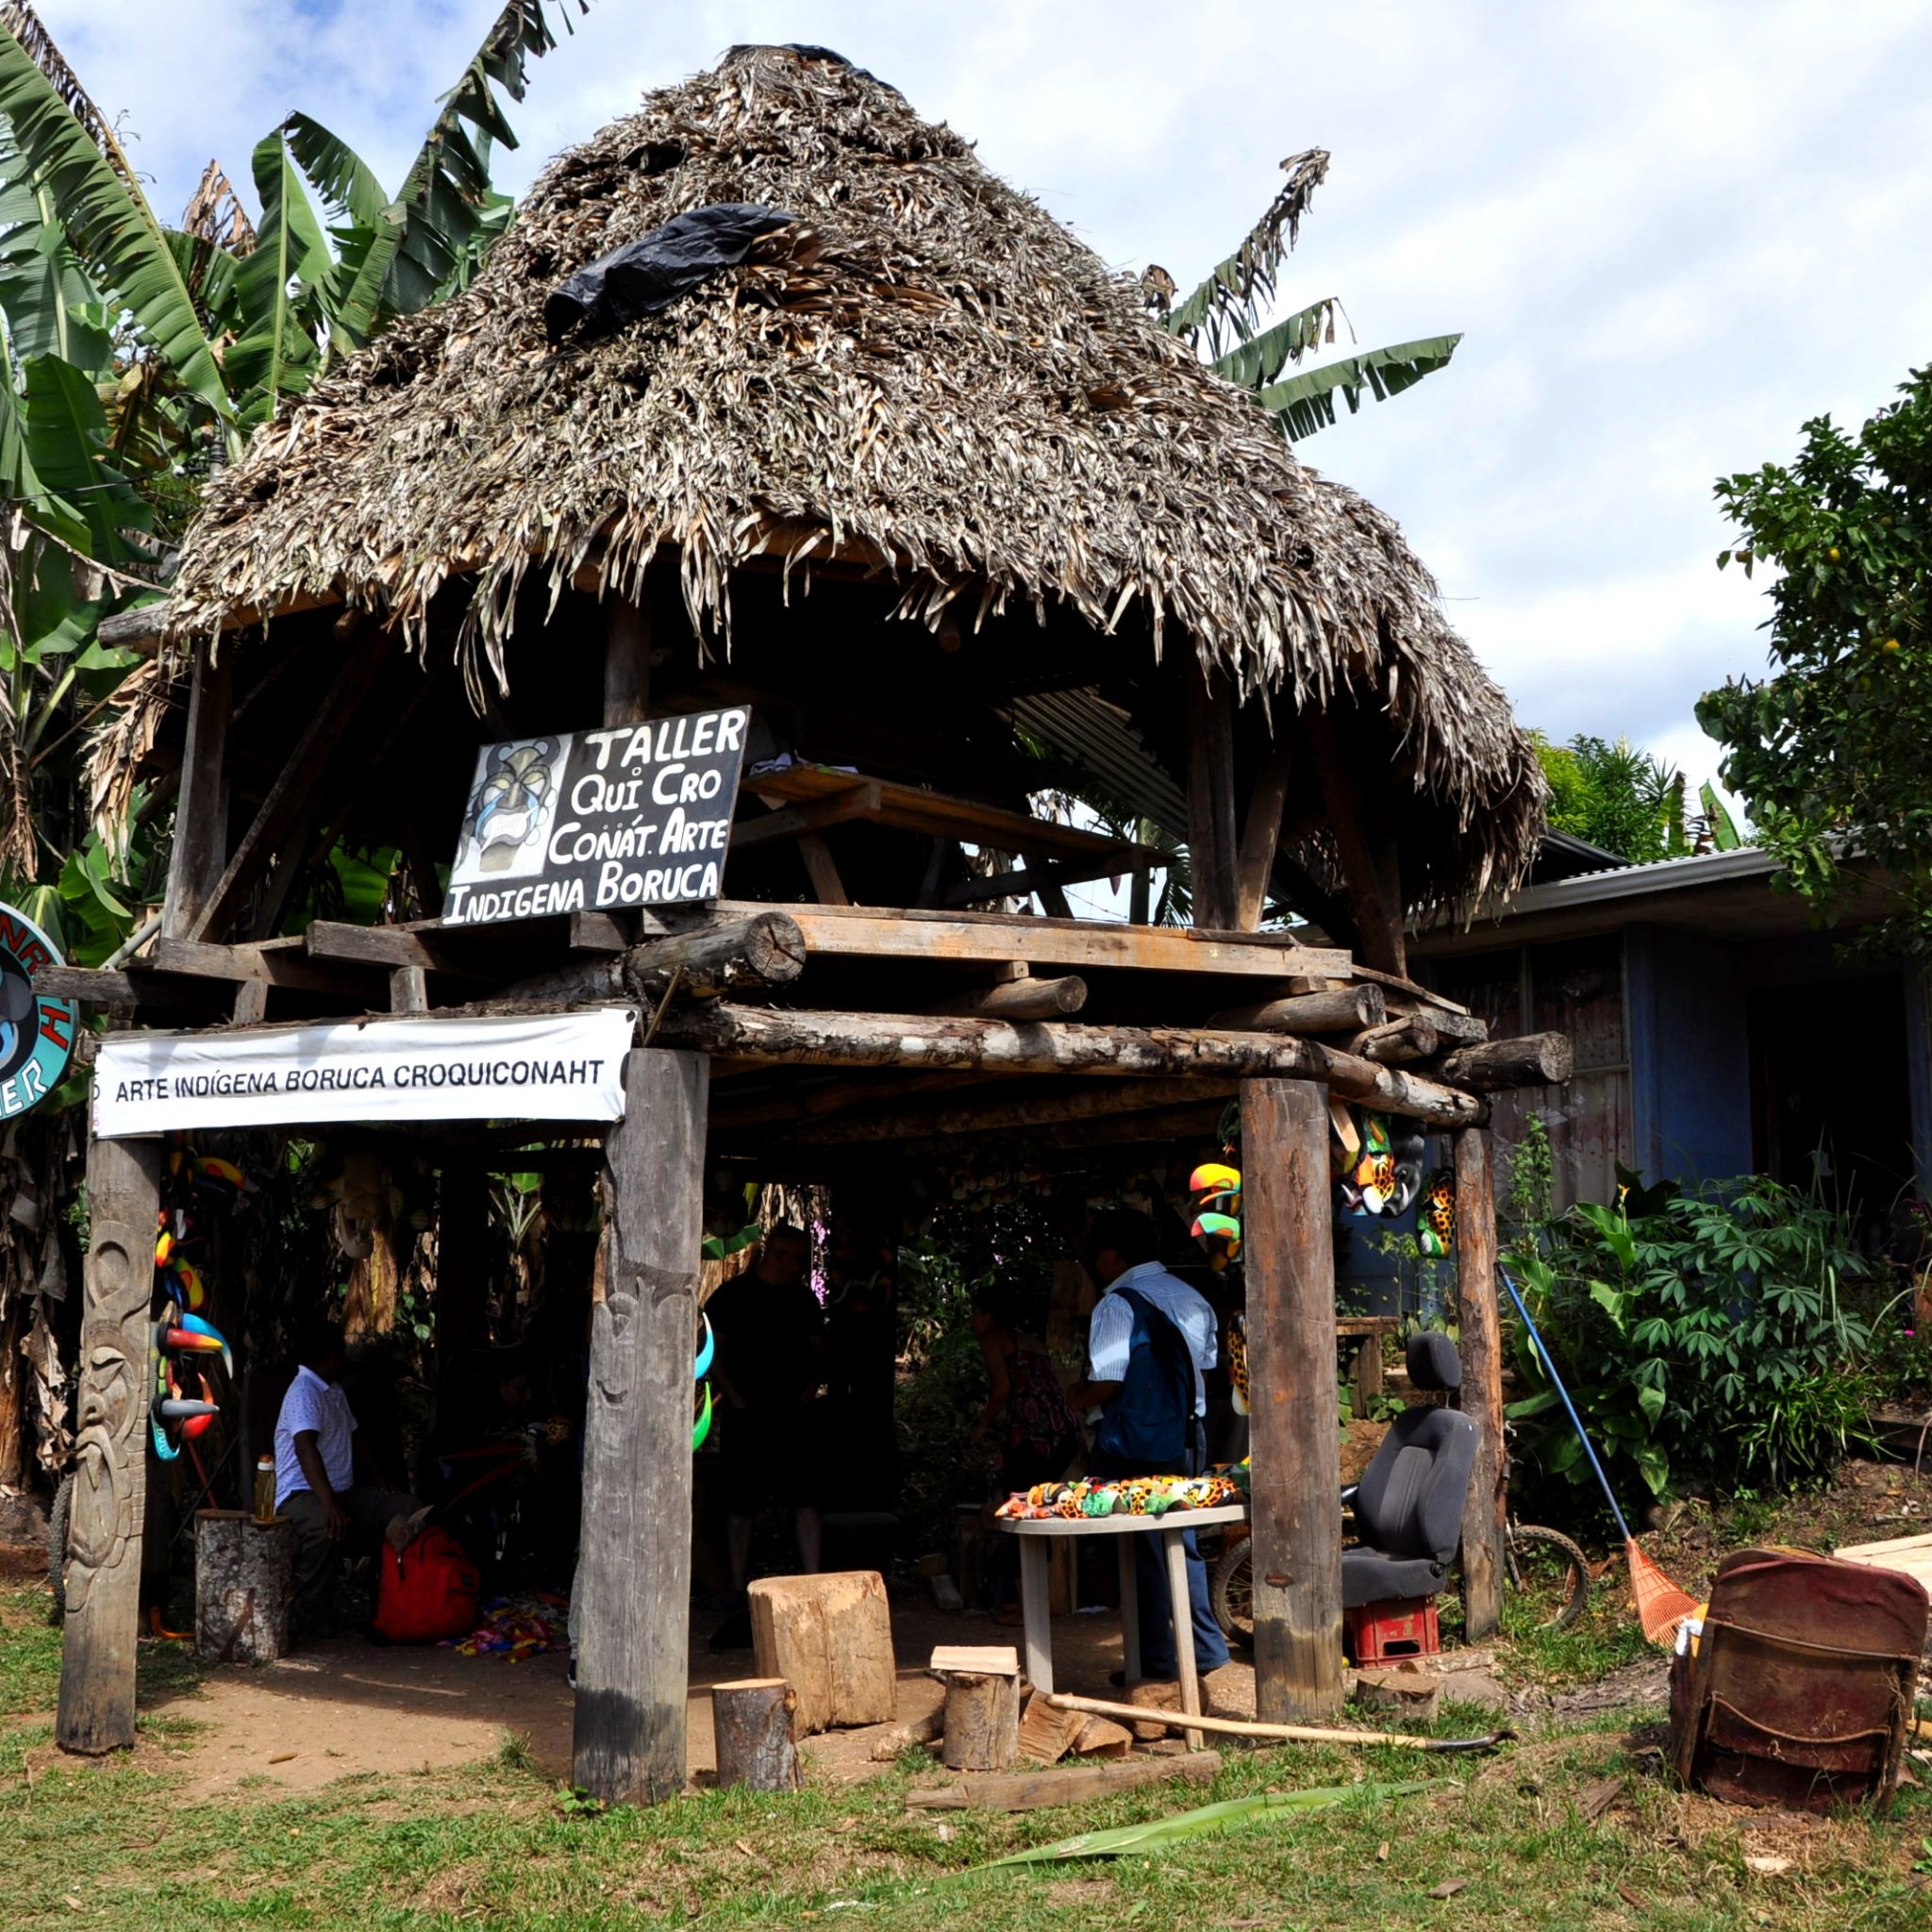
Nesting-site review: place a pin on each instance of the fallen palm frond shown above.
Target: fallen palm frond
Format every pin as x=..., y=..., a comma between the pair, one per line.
x=1207, y=1820
x=924, y=374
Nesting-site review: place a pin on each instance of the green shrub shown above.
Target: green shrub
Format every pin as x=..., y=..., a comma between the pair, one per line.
x=1718, y=1335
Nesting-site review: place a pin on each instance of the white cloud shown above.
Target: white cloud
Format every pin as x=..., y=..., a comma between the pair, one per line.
x=1671, y=231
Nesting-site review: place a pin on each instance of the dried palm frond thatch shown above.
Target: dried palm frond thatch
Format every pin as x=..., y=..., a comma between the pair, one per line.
x=923, y=371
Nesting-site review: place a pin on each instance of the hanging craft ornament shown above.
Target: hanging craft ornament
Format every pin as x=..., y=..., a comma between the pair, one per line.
x=1388, y=1176
x=1237, y=1359
x=708, y=1347
x=176, y=1417
x=1434, y=1224
x=1217, y=1211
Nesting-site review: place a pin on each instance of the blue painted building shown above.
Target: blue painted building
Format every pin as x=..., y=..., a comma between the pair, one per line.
x=1716, y=1032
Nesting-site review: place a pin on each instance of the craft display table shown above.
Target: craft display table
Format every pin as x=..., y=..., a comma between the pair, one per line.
x=1034, y=1531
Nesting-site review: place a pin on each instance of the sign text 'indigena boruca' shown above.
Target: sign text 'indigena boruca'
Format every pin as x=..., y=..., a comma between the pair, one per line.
x=578, y=821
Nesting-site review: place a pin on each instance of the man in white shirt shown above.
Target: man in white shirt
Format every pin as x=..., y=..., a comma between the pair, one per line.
x=318, y=1459
x=1144, y=1321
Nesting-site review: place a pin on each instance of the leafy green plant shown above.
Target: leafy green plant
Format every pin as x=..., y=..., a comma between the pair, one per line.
x=1720, y=1333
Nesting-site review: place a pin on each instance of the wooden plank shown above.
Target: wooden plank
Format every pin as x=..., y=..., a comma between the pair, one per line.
x=96, y=1710
x=1073, y=945
x=1378, y=916
x=290, y=794
x=1212, y=850
x=271, y=964
x=1261, y=835
x=859, y=800
x=200, y=851
x=793, y=1037
x=634, y=1573
x=1288, y=1254
x=390, y=947
x=1072, y=1784
x=1480, y=1344
x=92, y=985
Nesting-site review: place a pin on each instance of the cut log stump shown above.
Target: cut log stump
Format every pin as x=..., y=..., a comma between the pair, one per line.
x=244, y=1583
x=831, y=1638
x=751, y=1721
x=982, y=1730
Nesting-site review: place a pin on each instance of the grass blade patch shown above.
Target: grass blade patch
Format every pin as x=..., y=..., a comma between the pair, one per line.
x=1162, y=1834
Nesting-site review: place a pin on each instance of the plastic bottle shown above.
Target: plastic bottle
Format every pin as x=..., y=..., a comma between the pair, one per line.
x=265, y=1489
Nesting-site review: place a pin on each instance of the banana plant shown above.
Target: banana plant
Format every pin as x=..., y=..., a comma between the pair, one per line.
x=1221, y=319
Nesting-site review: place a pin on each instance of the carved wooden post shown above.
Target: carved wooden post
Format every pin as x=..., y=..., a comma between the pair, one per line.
x=110, y=1450
x=1290, y=1256
x=1481, y=1398
x=634, y=1569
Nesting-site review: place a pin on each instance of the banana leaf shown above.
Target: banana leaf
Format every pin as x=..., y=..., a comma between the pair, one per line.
x=1207, y=1820
x=1305, y=404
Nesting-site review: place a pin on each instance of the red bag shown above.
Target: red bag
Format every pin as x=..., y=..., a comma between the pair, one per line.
x=428, y=1592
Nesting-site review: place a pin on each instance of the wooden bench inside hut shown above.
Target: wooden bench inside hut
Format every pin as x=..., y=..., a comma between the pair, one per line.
x=1022, y=601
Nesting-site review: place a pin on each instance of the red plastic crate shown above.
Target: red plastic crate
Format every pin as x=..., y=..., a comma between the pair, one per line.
x=1403, y=1627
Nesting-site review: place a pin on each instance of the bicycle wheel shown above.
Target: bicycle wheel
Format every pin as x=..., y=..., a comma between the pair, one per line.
x=1548, y=1575
x=1231, y=1594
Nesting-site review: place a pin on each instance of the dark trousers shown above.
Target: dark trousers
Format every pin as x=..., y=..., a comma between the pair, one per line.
x=1158, y=1657
x=318, y=1555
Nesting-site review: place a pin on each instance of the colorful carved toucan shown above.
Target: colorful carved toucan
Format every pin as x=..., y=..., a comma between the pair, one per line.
x=191, y=1335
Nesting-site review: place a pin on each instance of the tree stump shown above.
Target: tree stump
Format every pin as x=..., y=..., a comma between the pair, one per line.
x=982, y=1721
x=831, y=1638
x=751, y=1721
x=245, y=1581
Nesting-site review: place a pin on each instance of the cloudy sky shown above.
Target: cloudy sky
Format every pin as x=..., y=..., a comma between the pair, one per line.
x=1671, y=229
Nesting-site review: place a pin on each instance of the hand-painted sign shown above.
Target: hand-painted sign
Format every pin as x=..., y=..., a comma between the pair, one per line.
x=628, y=815
x=37, y=1033
x=530, y=1067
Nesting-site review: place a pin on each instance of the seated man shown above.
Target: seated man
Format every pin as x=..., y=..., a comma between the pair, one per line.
x=318, y=1457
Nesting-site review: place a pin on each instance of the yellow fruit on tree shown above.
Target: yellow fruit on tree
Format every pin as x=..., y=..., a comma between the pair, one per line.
x=1891, y=643
x=1832, y=553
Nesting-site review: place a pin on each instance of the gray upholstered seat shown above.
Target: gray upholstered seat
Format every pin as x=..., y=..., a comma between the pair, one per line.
x=1409, y=1504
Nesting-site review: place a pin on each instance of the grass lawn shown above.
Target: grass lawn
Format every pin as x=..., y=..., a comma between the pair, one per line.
x=495, y=1843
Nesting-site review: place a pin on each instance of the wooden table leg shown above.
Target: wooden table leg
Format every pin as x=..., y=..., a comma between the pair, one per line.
x=1130, y=1611
x=1183, y=1613
x=1034, y=1612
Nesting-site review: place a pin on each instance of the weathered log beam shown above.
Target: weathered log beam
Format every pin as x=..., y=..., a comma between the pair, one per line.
x=1020, y=999
x=1408, y=1036
x=892, y=1039
x=1347, y=1009
x=1084, y=1102
x=1535, y=1060
x=767, y=949
x=272, y=963
x=92, y=985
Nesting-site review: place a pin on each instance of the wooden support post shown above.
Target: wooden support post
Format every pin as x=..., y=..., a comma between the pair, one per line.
x=751, y=1729
x=1481, y=1397
x=1210, y=799
x=1290, y=1255
x=1260, y=835
x=200, y=851
x=96, y=1712
x=1369, y=864
x=634, y=1575
x=626, y=663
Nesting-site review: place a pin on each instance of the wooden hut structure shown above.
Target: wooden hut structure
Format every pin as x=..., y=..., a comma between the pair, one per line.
x=927, y=487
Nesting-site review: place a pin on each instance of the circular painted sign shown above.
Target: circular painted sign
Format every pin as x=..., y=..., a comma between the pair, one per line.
x=36, y=1032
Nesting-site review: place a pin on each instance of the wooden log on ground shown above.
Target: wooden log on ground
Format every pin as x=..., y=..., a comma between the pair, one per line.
x=1047, y=1734
x=890, y=1039
x=1480, y=1398
x=634, y=1572
x=831, y=1638
x=1074, y=1784
x=1410, y=1037
x=1345, y=1009
x=766, y=949
x=96, y=1712
x=982, y=1721
x=1020, y=999
x=751, y=1723
x=1288, y=1253
x=245, y=1585
x=894, y=1739
x=1535, y=1060
x=1100, y=1737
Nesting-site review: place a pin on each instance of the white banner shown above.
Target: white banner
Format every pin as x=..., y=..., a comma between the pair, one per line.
x=547, y=1067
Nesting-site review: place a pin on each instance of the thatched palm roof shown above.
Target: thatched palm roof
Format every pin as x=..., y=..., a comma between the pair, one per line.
x=924, y=370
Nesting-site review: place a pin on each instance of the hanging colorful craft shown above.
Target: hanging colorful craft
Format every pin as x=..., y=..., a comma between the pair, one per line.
x=1217, y=1190
x=174, y=1416
x=708, y=1347
x=1435, y=1222
x=1237, y=1359
x=1387, y=1175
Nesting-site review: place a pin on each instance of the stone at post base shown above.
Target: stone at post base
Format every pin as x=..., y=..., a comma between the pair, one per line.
x=245, y=1585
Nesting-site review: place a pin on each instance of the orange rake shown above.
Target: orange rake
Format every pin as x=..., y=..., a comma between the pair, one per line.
x=1661, y=1607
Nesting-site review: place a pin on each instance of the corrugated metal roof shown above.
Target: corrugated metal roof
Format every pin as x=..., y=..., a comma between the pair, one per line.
x=1085, y=729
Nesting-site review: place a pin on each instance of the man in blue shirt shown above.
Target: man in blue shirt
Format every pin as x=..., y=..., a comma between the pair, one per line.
x=1139, y=1295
